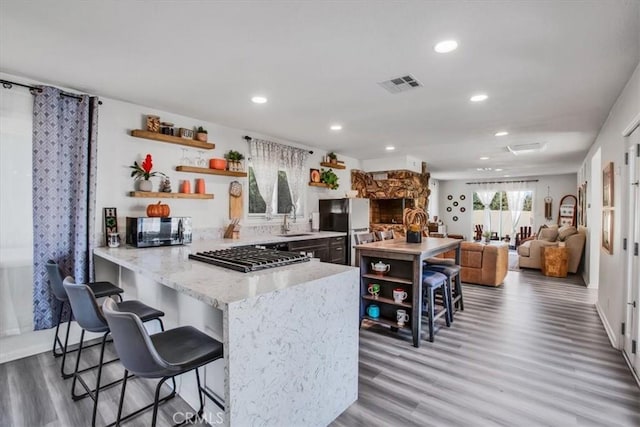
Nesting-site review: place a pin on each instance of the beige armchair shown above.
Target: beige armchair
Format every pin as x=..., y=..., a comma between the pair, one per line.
x=529, y=252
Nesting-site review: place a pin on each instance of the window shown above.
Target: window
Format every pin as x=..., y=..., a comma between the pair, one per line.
x=281, y=198
x=501, y=220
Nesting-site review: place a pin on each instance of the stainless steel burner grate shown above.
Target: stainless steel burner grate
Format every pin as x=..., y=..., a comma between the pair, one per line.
x=249, y=258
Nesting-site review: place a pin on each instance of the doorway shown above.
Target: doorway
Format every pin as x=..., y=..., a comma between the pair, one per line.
x=631, y=338
x=594, y=213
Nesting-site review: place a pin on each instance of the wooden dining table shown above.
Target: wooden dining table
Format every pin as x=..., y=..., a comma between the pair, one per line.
x=405, y=262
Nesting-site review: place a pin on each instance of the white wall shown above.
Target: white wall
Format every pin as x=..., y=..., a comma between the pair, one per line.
x=393, y=163
x=612, y=144
x=559, y=185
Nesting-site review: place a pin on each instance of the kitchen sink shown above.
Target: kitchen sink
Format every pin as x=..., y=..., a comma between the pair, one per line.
x=294, y=235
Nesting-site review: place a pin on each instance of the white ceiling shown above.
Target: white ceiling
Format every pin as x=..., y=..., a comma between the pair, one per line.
x=552, y=70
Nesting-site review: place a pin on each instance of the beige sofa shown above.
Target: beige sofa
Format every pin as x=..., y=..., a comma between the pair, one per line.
x=529, y=251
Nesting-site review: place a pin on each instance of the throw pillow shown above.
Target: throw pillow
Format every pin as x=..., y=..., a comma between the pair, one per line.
x=566, y=231
x=549, y=234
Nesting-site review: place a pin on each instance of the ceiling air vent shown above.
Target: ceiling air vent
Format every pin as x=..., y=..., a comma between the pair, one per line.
x=401, y=84
x=526, y=148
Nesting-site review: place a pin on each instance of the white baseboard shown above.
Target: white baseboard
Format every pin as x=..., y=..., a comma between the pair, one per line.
x=613, y=337
x=35, y=342
x=633, y=372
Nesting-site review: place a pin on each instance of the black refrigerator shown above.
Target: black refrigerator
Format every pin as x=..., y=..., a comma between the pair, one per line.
x=350, y=215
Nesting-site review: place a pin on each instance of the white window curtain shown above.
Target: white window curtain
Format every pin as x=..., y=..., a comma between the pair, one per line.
x=486, y=195
x=516, y=194
x=265, y=159
x=294, y=161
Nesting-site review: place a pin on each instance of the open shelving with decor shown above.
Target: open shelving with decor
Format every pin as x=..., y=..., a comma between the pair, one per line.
x=194, y=169
x=155, y=136
x=158, y=195
x=333, y=165
x=399, y=276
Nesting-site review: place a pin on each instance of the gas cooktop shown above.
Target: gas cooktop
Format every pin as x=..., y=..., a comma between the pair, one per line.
x=249, y=258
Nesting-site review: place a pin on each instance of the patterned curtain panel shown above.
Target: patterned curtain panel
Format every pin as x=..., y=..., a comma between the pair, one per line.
x=64, y=182
x=294, y=161
x=265, y=161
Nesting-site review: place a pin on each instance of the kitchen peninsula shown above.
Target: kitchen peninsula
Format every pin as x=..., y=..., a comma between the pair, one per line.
x=290, y=333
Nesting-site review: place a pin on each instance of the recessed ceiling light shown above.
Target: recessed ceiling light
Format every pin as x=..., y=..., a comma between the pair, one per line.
x=498, y=169
x=506, y=176
x=446, y=46
x=389, y=148
x=502, y=133
x=483, y=169
x=335, y=127
x=259, y=100
x=479, y=97
x=484, y=158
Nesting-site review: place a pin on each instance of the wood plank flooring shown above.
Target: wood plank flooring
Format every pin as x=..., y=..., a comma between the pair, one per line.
x=530, y=353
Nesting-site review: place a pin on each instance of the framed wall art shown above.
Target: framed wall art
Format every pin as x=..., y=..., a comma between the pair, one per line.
x=607, y=230
x=607, y=186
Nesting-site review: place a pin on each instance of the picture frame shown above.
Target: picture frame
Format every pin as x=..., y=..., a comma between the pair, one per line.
x=607, y=230
x=314, y=175
x=110, y=216
x=607, y=186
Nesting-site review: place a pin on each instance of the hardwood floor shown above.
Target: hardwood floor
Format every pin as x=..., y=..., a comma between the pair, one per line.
x=532, y=352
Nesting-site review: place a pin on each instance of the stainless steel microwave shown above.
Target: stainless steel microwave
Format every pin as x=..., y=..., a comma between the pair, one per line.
x=144, y=232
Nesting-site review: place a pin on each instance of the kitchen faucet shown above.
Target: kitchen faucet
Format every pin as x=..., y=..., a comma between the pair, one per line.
x=287, y=227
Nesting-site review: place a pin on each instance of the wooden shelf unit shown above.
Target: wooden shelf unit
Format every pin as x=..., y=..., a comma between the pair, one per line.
x=400, y=280
x=157, y=195
x=194, y=169
x=155, y=136
x=318, y=184
x=388, y=322
x=332, y=165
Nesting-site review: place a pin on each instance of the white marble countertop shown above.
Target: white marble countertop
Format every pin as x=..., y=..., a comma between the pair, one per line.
x=213, y=285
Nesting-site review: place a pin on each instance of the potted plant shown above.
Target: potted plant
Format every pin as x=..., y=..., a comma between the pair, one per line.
x=487, y=236
x=329, y=177
x=333, y=158
x=201, y=134
x=234, y=158
x=142, y=172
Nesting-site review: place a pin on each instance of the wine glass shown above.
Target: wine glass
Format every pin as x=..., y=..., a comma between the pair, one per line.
x=200, y=160
x=184, y=160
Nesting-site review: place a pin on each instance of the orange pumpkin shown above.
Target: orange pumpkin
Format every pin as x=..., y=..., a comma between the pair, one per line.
x=158, y=210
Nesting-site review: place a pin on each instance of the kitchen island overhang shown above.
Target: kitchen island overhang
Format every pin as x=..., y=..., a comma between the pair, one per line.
x=290, y=333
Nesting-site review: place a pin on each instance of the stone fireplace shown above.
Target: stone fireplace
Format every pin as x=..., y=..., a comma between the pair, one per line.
x=390, y=192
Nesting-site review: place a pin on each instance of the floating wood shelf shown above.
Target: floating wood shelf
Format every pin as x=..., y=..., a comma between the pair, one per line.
x=318, y=184
x=193, y=169
x=138, y=133
x=156, y=195
x=332, y=165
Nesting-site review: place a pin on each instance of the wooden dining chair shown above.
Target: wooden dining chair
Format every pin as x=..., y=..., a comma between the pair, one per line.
x=478, y=232
x=385, y=235
x=364, y=238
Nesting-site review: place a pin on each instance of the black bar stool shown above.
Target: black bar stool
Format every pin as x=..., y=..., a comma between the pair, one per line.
x=90, y=318
x=99, y=289
x=163, y=355
x=452, y=271
x=433, y=281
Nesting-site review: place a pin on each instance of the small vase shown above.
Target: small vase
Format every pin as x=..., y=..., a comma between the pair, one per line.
x=202, y=137
x=145, y=185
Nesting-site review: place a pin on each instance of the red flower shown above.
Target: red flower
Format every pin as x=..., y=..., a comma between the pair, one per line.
x=147, y=164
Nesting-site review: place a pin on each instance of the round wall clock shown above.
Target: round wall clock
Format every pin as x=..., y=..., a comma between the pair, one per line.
x=462, y=197
x=449, y=209
x=455, y=218
x=462, y=209
x=449, y=197
x=455, y=203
